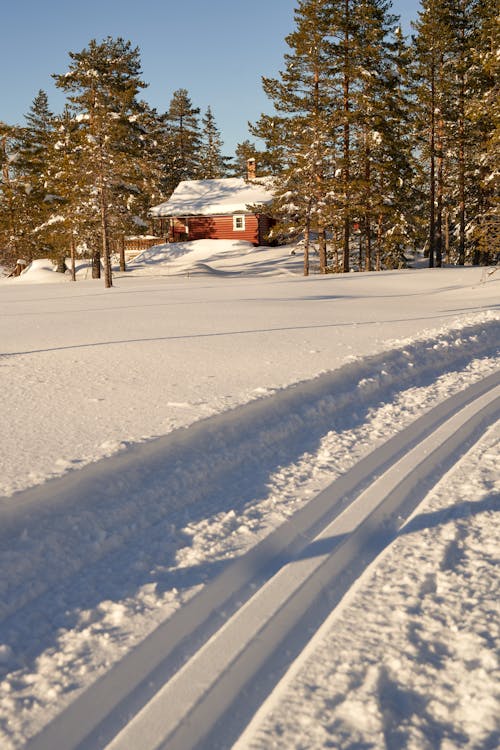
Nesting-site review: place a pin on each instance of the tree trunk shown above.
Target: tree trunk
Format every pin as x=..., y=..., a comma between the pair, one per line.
x=73, y=257
x=368, y=177
x=461, y=158
x=123, y=265
x=378, y=260
x=322, y=250
x=346, y=144
x=106, y=254
x=61, y=263
x=96, y=264
x=368, y=235
x=440, y=178
x=306, y=249
x=432, y=176
x=447, y=235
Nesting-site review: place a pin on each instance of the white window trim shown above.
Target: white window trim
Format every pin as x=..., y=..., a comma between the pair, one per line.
x=235, y=222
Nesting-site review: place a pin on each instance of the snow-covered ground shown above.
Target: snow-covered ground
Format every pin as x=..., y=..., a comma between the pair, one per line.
x=410, y=659
x=154, y=431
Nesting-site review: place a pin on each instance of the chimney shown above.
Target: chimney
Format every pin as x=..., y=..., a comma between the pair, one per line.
x=251, y=170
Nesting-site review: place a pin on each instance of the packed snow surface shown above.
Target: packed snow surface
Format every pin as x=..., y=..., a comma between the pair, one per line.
x=199, y=332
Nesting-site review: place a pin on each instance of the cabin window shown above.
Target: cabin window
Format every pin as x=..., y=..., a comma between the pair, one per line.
x=239, y=223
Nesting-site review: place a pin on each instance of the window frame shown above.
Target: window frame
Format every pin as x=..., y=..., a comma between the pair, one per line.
x=236, y=218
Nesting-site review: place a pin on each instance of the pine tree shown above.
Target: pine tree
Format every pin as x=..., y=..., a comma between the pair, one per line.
x=379, y=150
x=433, y=47
x=299, y=137
x=73, y=219
x=456, y=98
x=387, y=163
x=103, y=81
x=482, y=110
x=339, y=139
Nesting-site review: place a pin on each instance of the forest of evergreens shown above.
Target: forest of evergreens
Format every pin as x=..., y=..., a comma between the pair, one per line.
x=376, y=143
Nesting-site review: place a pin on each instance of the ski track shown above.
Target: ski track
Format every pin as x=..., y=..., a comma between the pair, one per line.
x=205, y=704
x=125, y=542
x=356, y=685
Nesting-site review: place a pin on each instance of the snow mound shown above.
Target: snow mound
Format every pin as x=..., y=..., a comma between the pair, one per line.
x=41, y=271
x=215, y=257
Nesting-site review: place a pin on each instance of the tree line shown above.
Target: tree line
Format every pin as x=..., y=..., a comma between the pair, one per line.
x=377, y=143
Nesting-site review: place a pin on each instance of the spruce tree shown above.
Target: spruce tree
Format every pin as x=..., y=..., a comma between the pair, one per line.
x=212, y=162
x=32, y=168
x=244, y=151
x=182, y=141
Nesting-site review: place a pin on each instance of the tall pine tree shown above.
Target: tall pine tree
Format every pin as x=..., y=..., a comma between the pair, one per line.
x=298, y=137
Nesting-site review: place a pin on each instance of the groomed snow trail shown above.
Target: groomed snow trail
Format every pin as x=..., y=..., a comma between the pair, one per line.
x=207, y=700
x=305, y=565
x=133, y=538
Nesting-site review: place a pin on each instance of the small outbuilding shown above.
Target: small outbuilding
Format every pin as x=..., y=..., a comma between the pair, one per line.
x=223, y=209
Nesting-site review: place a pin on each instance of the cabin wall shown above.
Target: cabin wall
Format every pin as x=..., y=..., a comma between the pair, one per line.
x=221, y=228
x=218, y=228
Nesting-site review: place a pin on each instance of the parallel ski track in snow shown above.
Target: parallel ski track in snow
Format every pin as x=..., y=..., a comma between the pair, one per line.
x=197, y=680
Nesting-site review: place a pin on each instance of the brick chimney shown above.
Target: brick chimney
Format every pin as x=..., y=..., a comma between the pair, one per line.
x=251, y=170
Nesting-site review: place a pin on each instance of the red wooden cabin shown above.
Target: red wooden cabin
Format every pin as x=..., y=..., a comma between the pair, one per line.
x=224, y=209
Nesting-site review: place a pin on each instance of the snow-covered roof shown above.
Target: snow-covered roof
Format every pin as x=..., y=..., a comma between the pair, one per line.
x=213, y=197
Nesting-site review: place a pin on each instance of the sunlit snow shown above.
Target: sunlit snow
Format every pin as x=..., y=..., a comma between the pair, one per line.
x=92, y=379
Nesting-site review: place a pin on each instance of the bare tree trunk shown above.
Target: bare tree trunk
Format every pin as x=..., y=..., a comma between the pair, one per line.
x=432, y=177
x=440, y=178
x=106, y=254
x=319, y=178
x=447, y=235
x=336, y=240
x=368, y=177
x=73, y=259
x=322, y=250
x=346, y=144
x=306, y=243
x=61, y=263
x=461, y=158
x=96, y=264
x=123, y=265
x=378, y=260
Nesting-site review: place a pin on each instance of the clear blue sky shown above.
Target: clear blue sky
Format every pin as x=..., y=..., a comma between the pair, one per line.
x=216, y=49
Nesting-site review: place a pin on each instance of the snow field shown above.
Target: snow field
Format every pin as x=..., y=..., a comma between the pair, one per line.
x=95, y=612
x=409, y=659
x=260, y=390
